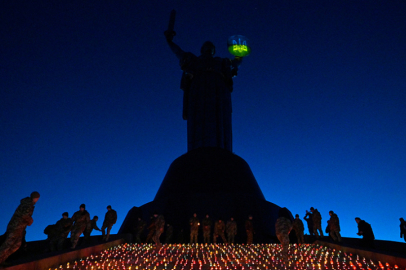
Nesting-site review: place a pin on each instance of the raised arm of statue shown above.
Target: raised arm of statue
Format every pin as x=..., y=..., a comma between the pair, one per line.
x=170, y=33
x=175, y=48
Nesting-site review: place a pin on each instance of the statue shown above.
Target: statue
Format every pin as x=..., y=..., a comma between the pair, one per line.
x=207, y=84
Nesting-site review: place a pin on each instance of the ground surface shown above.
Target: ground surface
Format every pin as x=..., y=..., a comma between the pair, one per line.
x=260, y=256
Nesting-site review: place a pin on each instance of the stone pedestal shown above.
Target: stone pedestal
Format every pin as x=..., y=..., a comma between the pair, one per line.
x=209, y=181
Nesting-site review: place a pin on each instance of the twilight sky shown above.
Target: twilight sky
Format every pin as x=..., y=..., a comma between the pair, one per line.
x=91, y=110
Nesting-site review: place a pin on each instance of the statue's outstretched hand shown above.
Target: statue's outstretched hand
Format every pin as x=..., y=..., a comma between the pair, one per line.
x=169, y=35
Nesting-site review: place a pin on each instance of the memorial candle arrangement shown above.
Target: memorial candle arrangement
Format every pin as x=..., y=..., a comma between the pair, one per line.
x=222, y=257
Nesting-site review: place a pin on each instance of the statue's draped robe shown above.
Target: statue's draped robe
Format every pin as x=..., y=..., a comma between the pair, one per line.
x=207, y=84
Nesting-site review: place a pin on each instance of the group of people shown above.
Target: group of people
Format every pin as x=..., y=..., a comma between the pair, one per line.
x=220, y=229
x=80, y=223
x=57, y=233
x=284, y=225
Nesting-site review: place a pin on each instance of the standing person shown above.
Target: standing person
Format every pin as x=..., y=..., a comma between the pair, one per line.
x=159, y=228
x=194, y=228
x=316, y=218
x=168, y=233
x=219, y=229
x=299, y=229
x=151, y=230
x=206, y=229
x=334, y=226
x=231, y=229
x=402, y=228
x=139, y=229
x=80, y=220
x=15, y=232
x=283, y=226
x=109, y=220
x=92, y=225
x=249, y=228
x=309, y=220
x=365, y=230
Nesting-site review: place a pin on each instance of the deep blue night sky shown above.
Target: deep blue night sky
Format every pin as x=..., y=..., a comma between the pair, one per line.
x=91, y=110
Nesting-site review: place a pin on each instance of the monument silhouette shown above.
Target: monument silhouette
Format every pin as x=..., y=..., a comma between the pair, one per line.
x=209, y=178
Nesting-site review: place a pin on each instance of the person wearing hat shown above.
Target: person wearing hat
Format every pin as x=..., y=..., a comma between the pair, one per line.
x=21, y=218
x=80, y=220
x=109, y=220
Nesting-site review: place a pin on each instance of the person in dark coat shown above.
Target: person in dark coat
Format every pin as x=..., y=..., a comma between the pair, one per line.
x=206, y=229
x=62, y=229
x=219, y=229
x=231, y=229
x=159, y=229
x=334, y=226
x=109, y=220
x=80, y=219
x=21, y=218
x=194, y=228
x=139, y=229
x=365, y=230
x=309, y=220
x=316, y=218
x=168, y=234
x=92, y=225
x=402, y=228
x=249, y=228
x=298, y=227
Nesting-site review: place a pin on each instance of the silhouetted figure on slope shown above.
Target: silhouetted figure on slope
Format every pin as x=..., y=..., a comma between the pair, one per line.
x=110, y=219
x=316, y=218
x=80, y=220
x=15, y=233
x=299, y=229
x=92, y=225
x=309, y=220
x=365, y=230
x=334, y=227
x=402, y=228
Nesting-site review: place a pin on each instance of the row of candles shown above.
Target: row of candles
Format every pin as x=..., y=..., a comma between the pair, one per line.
x=222, y=257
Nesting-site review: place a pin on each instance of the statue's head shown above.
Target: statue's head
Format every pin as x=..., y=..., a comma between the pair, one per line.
x=208, y=47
